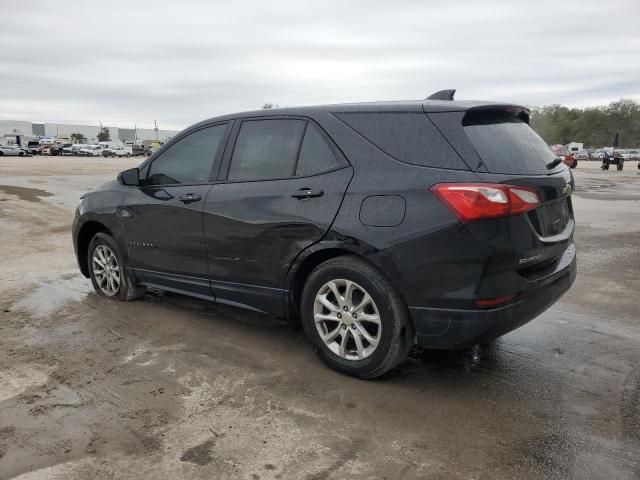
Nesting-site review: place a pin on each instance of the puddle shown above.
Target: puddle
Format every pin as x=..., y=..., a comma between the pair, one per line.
x=25, y=193
x=49, y=297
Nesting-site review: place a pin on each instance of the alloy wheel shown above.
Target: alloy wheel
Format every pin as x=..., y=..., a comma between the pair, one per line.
x=347, y=319
x=106, y=270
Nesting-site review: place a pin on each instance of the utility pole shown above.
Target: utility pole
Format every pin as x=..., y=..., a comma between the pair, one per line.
x=156, y=129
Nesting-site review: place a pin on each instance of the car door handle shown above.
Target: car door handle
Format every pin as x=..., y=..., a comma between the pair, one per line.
x=307, y=193
x=190, y=198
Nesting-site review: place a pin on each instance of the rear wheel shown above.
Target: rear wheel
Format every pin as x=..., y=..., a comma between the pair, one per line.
x=355, y=319
x=108, y=274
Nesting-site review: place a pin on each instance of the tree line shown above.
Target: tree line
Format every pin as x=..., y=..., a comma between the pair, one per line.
x=595, y=127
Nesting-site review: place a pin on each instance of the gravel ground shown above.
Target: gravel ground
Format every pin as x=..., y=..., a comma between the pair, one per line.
x=175, y=387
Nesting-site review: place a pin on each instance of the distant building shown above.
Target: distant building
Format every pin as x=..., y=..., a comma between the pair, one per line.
x=11, y=129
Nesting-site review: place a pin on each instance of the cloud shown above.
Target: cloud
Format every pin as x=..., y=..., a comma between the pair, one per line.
x=122, y=62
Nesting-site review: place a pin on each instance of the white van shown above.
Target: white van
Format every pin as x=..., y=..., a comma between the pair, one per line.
x=118, y=151
x=91, y=150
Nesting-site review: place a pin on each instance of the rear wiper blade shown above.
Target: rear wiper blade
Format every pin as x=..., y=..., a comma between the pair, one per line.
x=554, y=163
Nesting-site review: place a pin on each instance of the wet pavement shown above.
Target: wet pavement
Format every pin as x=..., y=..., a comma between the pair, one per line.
x=175, y=387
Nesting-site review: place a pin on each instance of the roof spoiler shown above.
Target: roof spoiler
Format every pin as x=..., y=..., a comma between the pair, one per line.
x=442, y=95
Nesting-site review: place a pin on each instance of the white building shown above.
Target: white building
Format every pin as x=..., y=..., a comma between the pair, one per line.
x=9, y=129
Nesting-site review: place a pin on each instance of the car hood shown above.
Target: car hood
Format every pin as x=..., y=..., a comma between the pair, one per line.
x=111, y=185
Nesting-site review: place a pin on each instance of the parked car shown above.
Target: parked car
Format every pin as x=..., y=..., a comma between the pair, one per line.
x=69, y=149
x=570, y=161
x=567, y=157
x=150, y=150
x=374, y=225
x=90, y=150
x=12, y=150
x=41, y=148
x=632, y=155
x=117, y=151
x=137, y=150
x=75, y=149
x=32, y=147
x=57, y=149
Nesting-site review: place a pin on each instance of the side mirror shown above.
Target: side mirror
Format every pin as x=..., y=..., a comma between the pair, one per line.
x=129, y=177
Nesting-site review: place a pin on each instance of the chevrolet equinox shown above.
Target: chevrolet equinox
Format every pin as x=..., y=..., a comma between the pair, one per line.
x=376, y=225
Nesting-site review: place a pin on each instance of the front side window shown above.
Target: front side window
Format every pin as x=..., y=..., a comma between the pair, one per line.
x=189, y=160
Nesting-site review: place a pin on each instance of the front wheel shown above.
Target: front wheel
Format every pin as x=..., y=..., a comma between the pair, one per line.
x=355, y=319
x=108, y=274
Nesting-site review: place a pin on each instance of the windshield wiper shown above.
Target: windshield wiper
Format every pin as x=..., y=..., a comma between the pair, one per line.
x=554, y=163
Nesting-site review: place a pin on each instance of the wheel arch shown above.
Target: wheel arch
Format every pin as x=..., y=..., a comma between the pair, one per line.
x=85, y=234
x=302, y=268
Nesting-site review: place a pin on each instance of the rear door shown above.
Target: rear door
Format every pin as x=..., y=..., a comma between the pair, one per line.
x=162, y=219
x=281, y=186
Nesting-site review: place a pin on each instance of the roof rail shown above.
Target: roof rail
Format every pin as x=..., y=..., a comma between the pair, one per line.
x=442, y=95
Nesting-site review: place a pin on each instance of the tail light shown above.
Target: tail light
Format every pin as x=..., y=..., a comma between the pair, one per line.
x=477, y=201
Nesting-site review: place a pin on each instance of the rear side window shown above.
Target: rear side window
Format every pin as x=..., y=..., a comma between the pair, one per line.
x=315, y=154
x=189, y=160
x=407, y=137
x=266, y=149
x=507, y=144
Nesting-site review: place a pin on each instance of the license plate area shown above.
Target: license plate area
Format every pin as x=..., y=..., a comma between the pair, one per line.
x=551, y=218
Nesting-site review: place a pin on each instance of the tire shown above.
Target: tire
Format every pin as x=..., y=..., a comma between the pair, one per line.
x=127, y=289
x=394, y=336
x=21, y=154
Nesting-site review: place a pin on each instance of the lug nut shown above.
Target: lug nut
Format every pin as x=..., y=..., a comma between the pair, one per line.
x=339, y=315
x=355, y=315
x=344, y=327
x=345, y=308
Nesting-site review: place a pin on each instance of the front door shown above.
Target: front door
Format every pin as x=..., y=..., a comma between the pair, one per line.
x=162, y=219
x=284, y=186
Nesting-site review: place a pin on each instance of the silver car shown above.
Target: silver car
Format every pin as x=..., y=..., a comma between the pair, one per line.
x=10, y=150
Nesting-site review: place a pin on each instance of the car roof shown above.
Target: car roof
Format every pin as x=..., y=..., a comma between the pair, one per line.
x=429, y=106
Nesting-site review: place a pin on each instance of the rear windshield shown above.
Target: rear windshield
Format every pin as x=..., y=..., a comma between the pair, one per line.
x=507, y=144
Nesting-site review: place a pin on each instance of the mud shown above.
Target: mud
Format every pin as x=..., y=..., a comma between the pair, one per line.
x=26, y=194
x=173, y=387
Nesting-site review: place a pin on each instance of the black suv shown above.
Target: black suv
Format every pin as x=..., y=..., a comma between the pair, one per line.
x=376, y=225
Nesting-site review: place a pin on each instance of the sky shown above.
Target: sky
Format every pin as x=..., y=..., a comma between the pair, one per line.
x=179, y=62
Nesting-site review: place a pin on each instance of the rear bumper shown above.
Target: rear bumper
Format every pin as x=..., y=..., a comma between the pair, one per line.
x=452, y=328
